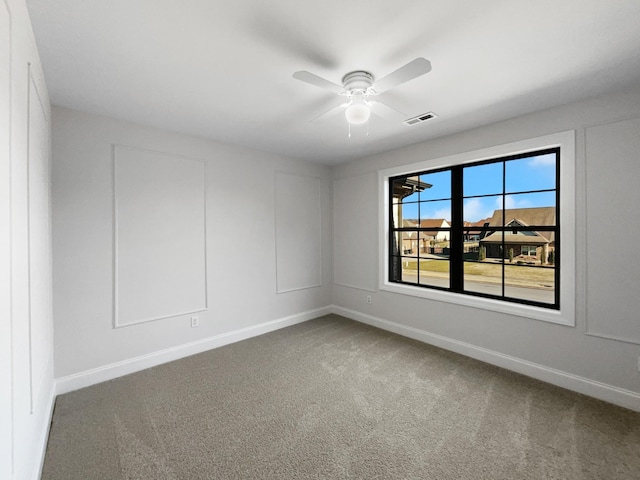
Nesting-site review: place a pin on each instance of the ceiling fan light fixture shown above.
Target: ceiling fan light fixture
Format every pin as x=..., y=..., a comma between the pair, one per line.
x=358, y=111
x=357, y=114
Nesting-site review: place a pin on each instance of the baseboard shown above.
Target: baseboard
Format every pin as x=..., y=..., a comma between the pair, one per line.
x=602, y=391
x=44, y=435
x=132, y=365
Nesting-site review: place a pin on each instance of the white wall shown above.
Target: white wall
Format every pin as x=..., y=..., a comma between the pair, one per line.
x=26, y=338
x=600, y=355
x=241, y=257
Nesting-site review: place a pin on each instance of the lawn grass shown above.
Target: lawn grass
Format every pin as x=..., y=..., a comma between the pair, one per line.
x=441, y=266
x=538, y=275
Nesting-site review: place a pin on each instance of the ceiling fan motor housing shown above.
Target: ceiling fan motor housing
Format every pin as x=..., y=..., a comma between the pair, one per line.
x=357, y=81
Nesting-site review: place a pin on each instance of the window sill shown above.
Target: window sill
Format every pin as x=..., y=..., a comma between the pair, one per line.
x=520, y=310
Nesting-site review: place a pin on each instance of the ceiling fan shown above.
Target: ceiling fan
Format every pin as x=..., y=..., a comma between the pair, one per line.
x=359, y=86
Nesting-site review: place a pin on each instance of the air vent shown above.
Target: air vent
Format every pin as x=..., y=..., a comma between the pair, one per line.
x=420, y=118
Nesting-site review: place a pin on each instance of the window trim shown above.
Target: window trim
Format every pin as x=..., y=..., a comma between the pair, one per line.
x=566, y=314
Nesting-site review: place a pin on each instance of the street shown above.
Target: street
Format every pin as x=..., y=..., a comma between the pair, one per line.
x=519, y=292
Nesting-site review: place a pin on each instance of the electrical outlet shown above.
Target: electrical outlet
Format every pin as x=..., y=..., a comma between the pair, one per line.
x=195, y=321
x=368, y=298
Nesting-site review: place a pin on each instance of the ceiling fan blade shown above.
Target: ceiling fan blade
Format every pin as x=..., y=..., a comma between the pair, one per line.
x=385, y=111
x=329, y=112
x=318, y=81
x=411, y=70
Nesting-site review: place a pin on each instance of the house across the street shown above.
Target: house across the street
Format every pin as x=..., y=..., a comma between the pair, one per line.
x=526, y=243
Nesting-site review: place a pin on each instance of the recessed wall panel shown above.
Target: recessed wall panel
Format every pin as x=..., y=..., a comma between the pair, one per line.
x=159, y=235
x=355, y=233
x=6, y=332
x=613, y=170
x=298, y=232
x=39, y=231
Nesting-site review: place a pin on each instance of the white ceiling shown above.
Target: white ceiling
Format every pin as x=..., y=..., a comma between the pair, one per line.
x=222, y=69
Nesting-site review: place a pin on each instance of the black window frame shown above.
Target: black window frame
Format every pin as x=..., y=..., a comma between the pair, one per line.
x=457, y=229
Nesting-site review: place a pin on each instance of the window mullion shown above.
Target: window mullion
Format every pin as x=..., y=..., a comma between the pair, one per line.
x=456, y=266
x=504, y=224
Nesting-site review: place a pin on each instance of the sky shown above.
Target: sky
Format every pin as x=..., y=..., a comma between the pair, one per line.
x=521, y=175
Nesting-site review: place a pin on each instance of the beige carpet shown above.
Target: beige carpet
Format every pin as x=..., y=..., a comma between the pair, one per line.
x=332, y=398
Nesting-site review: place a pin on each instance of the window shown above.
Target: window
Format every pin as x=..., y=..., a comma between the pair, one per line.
x=508, y=205
x=484, y=229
